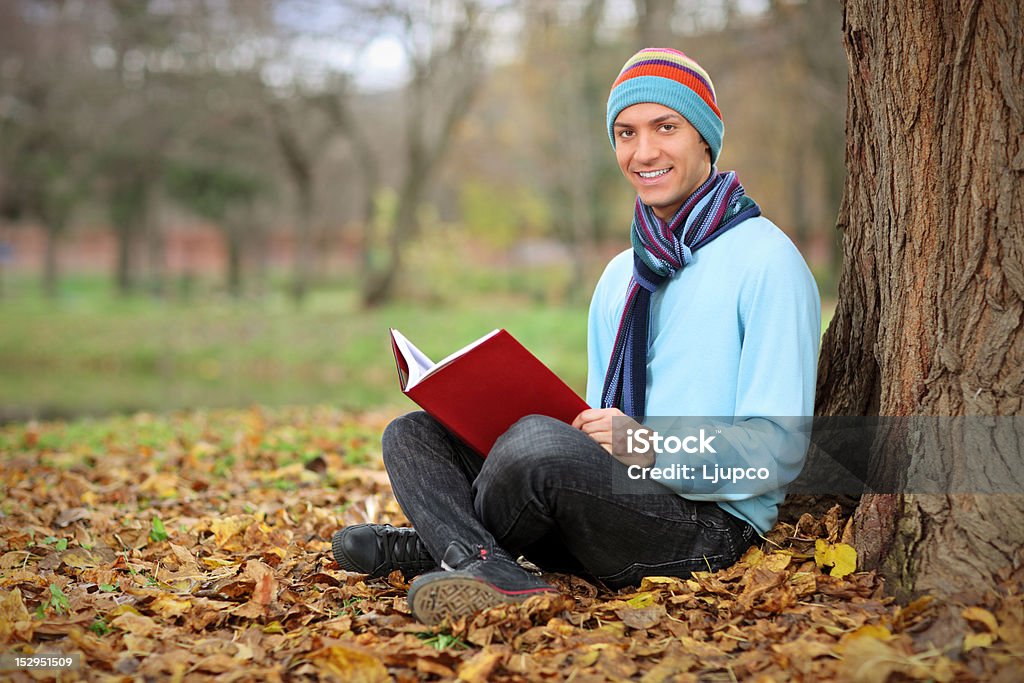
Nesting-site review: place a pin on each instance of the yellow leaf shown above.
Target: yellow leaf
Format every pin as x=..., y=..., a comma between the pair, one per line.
x=973, y=640
x=654, y=582
x=840, y=557
x=644, y=599
x=587, y=657
x=225, y=529
x=170, y=606
x=273, y=627
x=982, y=616
x=348, y=664
x=776, y=562
x=14, y=616
x=868, y=631
x=753, y=557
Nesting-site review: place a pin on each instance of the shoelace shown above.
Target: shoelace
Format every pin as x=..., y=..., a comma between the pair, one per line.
x=401, y=548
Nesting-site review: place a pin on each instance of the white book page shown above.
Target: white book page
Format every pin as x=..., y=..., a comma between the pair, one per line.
x=417, y=361
x=420, y=367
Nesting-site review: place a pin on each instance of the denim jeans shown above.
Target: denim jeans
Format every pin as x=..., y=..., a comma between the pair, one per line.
x=545, y=492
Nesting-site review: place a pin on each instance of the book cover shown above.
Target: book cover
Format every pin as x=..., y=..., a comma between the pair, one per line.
x=482, y=389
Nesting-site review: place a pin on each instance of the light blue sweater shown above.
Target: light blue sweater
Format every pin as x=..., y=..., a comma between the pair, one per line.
x=735, y=333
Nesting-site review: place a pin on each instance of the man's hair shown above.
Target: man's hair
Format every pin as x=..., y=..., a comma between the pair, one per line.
x=669, y=78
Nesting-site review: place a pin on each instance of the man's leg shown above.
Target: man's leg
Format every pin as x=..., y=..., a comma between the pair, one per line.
x=431, y=474
x=543, y=478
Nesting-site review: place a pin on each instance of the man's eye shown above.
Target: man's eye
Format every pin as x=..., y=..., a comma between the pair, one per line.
x=625, y=134
x=668, y=127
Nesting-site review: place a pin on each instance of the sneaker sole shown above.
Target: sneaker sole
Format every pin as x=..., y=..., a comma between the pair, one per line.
x=434, y=598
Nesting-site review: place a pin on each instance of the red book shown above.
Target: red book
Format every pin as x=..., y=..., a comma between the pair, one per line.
x=481, y=390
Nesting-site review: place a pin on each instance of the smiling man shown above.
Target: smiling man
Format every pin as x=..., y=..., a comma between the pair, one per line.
x=713, y=312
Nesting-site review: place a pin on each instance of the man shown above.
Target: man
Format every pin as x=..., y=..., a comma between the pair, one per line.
x=713, y=312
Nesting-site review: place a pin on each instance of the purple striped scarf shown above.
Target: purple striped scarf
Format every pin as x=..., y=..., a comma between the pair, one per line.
x=660, y=250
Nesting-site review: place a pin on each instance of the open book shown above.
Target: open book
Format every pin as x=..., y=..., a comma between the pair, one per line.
x=482, y=389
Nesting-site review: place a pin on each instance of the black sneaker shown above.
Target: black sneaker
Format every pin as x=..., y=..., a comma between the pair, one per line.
x=379, y=549
x=472, y=580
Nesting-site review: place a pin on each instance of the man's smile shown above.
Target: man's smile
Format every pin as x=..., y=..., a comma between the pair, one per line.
x=650, y=175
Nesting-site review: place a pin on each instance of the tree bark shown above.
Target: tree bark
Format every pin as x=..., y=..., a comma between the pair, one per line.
x=427, y=140
x=931, y=295
x=654, y=23
x=50, y=263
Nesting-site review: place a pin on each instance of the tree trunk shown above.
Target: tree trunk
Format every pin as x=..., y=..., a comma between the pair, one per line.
x=234, y=231
x=155, y=243
x=932, y=288
x=379, y=284
x=124, y=277
x=303, y=262
x=654, y=22
x=51, y=266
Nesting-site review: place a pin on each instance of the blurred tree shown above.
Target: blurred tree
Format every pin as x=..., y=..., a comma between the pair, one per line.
x=303, y=136
x=42, y=140
x=442, y=42
x=932, y=287
x=815, y=85
x=225, y=195
x=144, y=110
x=654, y=23
x=566, y=78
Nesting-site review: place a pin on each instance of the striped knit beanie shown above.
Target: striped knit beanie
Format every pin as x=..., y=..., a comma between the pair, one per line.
x=669, y=78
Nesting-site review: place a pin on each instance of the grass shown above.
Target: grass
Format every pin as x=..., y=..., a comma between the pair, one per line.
x=90, y=353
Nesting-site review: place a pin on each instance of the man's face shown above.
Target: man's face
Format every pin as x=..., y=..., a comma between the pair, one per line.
x=661, y=154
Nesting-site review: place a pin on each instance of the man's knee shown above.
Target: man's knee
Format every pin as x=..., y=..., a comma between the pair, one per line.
x=530, y=438
x=405, y=429
x=530, y=450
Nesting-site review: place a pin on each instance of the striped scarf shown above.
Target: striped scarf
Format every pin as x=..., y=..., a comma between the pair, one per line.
x=660, y=250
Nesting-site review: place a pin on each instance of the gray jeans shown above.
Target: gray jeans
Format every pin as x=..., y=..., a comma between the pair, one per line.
x=545, y=491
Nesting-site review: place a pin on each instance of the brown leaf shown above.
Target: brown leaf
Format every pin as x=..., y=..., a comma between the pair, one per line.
x=136, y=624
x=643, y=617
x=71, y=515
x=350, y=664
x=14, y=617
x=478, y=668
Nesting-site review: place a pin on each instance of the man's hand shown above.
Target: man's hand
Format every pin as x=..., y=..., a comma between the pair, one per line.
x=597, y=424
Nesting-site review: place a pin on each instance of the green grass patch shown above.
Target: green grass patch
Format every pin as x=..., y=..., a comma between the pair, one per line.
x=89, y=353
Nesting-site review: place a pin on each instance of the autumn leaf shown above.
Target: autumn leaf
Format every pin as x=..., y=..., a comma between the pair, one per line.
x=981, y=616
x=248, y=585
x=350, y=665
x=14, y=617
x=839, y=558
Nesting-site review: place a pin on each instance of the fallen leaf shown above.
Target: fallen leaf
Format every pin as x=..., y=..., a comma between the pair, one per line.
x=973, y=640
x=642, y=617
x=350, y=665
x=981, y=616
x=478, y=668
x=840, y=558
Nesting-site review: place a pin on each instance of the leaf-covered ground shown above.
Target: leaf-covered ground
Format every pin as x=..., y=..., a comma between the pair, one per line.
x=196, y=546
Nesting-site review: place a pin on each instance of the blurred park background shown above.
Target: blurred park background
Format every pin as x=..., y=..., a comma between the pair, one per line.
x=210, y=203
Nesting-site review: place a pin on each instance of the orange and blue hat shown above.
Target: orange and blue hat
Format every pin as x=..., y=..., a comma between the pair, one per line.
x=669, y=78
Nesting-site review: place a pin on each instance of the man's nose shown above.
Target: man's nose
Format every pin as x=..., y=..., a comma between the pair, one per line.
x=646, y=148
